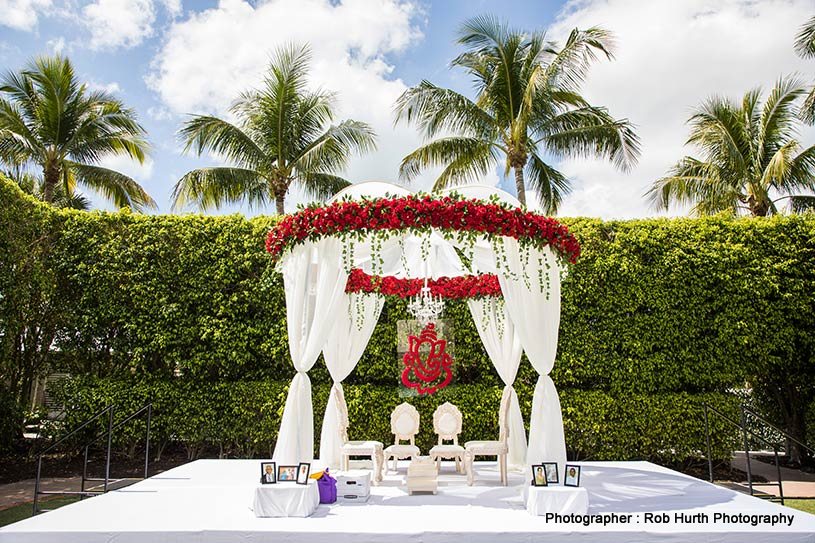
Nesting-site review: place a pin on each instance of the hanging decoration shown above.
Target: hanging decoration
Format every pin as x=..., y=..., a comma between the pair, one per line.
x=428, y=366
x=450, y=288
x=426, y=307
x=452, y=216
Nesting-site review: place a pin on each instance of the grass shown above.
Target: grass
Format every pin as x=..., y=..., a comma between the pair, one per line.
x=808, y=506
x=21, y=512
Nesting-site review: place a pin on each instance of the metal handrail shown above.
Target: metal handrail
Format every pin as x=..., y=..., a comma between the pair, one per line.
x=784, y=434
x=147, y=407
x=745, y=430
x=37, y=492
x=83, y=493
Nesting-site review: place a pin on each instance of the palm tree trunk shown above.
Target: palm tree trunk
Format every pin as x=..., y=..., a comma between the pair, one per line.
x=280, y=199
x=51, y=175
x=519, y=185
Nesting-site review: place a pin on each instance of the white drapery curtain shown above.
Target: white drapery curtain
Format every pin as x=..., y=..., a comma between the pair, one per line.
x=354, y=322
x=503, y=346
x=535, y=312
x=314, y=282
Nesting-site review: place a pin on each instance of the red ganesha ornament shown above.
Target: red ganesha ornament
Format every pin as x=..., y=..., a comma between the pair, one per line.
x=429, y=375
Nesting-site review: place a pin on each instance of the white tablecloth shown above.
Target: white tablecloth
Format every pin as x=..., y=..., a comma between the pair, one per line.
x=556, y=499
x=286, y=500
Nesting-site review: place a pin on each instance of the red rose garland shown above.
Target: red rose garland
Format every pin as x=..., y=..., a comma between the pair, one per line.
x=455, y=288
x=421, y=212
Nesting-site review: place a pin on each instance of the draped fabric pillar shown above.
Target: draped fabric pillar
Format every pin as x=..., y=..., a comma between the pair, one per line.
x=314, y=282
x=354, y=322
x=503, y=346
x=535, y=311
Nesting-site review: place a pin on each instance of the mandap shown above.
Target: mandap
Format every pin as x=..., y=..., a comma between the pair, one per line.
x=340, y=261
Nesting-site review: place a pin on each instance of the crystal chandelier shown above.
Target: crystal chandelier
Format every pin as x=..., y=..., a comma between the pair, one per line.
x=426, y=307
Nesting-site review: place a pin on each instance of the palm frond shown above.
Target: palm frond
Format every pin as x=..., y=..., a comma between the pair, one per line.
x=208, y=188
x=332, y=150
x=805, y=40
x=808, y=108
x=454, y=150
x=434, y=110
x=802, y=204
x=115, y=186
x=800, y=173
x=551, y=185
x=778, y=117
x=718, y=129
x=322, y=186
x=467, y=167
x=592, y=131
x=569, y=65
x=695, y=183
x=207, y=133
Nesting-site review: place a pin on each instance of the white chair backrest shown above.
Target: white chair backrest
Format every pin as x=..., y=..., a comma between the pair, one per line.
x=503, y=417
x=404, y=423
x=447, y=422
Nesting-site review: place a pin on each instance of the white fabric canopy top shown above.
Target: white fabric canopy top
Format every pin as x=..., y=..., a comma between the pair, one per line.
x=321, y=316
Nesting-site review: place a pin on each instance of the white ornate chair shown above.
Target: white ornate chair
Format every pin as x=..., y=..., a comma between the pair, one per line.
x=491, y=448
x=405, y=426
x=360, y=448
x=447, y=425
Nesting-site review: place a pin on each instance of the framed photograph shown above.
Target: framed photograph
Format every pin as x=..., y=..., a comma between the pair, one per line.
x=551, y=472
x=287, y=474
x=538, y=475
x=572, y=476
x=302, y=473
x=268, y=473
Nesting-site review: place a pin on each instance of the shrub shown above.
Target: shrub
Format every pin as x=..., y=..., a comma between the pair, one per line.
x=242, y=419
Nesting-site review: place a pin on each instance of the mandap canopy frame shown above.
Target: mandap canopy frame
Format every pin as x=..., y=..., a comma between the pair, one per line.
x=372, y=240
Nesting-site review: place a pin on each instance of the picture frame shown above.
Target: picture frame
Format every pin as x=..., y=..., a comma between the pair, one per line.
x=551, y=472
x=287, y=474
x=539, y=475
x=303, y=472
x=572, y=475
x=268, y=473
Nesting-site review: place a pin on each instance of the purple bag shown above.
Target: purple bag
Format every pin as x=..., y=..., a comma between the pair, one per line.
x=327, y=485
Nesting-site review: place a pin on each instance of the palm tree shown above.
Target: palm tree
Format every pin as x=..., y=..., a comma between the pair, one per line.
x=750, y=155
x=805, y=47
x=280, y=138
x=527, y=108
x=50, y=120
x=33, y=185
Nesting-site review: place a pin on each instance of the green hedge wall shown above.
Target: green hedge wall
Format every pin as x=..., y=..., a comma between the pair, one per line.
x=652, y=306
x=666, y=311
x=241, y=419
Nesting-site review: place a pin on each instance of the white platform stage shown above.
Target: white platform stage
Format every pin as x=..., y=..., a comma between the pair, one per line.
x=210, y=501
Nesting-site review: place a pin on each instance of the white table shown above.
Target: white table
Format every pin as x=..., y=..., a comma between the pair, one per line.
x=556, y=499
x=286, y=499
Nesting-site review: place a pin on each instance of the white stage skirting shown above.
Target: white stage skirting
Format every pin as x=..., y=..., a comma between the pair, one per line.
x=210, y=501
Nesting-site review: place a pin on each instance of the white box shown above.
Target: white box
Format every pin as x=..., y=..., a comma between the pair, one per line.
x=422, y=475
x=353, y=486
x=350, y=498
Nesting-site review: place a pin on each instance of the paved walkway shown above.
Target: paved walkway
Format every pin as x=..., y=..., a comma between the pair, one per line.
x=796, y=483
x=12, y=494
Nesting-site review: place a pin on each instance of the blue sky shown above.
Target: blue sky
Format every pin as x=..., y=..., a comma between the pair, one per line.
x=167, y=58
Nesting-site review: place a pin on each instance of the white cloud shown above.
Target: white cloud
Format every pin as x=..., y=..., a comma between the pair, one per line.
x=129, y=167
x=159, y=113
x=56, y=45
x=173, y=7
x=113, y=87
x=209, y=58
x=670, y=57
x=118, y=23
x=22, y=14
